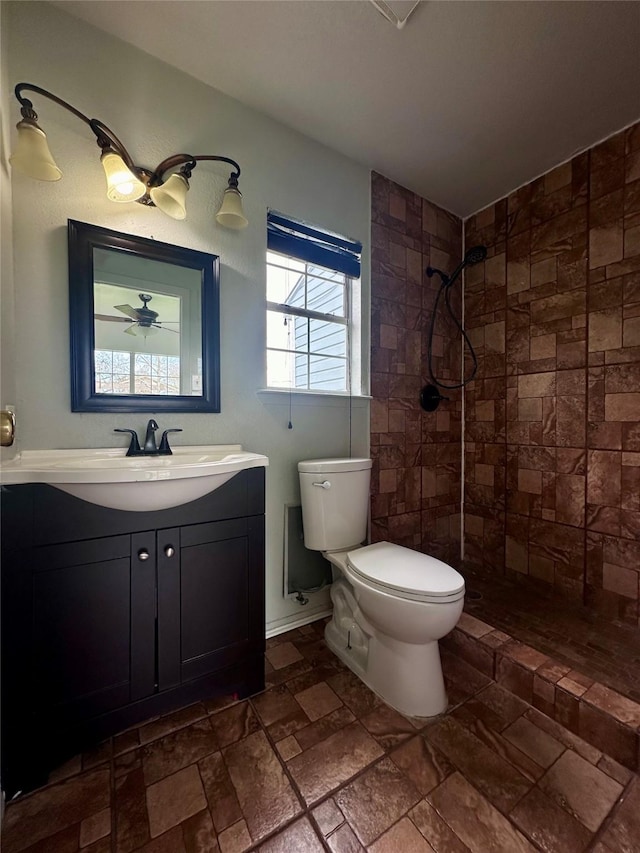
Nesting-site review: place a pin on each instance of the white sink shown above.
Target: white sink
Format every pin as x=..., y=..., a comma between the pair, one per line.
x=138, y=483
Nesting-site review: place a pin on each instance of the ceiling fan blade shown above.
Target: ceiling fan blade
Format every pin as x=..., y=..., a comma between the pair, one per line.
x=128, y=310
x=131, y=331
x=111, y=319
x=160, y=326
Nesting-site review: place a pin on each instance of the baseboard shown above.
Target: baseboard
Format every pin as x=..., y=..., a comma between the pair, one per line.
x=281, y=626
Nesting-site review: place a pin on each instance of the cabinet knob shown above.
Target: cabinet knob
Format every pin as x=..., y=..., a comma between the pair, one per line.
x=143, y=554
x=169, y=550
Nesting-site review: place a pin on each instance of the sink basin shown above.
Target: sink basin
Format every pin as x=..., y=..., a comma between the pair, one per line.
x=136, y=484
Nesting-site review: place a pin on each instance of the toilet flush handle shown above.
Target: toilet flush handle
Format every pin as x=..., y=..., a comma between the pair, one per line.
x=325, y=485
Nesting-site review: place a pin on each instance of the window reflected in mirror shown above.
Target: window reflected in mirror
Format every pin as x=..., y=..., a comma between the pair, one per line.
x=147, y=328
x=151, y=339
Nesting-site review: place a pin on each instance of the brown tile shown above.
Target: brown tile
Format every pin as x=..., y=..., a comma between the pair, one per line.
x=275, y=704
x=95, y=827
x=505, y=706
x=235, y=839
x=515, y=678
x=623, y=831
x=283, y=655
x=298, y=837
x=221, y=795
x=472, y=626
x=65, y=841
x=132, y=823
x=219, y=703
x=315, y=732
x=609, y=735
x=125, y=742
x=564, y=736
x=50, y=810
x=537, y=744
x=174, y=799
x=387, y=726
x=489, y=772
x=288, y=747
x=422, y=763
x=199, y=835
x=403, y=836
x=102, y=846
x=98, y=754
x=460, y=673
x=343, y=840
x=355, y=695
x=317, y=701
x=234, y=724
x=580, y=788
x=471, y=649
x=551, y=827
x=177, y=750
x=498, y=744
x=171, y=722
x=613, y=703
x=267, y=799
x=441, y=837
x=333, y=761
x=571, y=686
x=455, y=800
x=171, y=842
x=375, y=800
x=328, y=816
x=621, y=774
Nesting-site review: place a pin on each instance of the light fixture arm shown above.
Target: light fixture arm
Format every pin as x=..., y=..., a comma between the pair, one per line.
x=189, y=162
x=107, y=139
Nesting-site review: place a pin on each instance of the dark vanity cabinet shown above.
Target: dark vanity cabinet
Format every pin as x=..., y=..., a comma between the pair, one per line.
x=110, y=617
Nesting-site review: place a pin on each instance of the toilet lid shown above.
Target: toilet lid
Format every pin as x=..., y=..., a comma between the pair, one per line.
x=402, y=569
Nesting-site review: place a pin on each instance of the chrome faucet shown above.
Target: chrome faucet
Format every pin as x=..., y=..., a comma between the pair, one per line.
x=150, y=447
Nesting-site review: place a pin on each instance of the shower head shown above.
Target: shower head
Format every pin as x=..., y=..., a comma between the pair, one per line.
x=475, y=255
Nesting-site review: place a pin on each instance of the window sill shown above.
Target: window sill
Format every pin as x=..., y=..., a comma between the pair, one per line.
x=311, y=398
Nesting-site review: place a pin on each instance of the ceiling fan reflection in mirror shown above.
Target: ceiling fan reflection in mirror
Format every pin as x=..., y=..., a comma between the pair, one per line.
x=143, y=320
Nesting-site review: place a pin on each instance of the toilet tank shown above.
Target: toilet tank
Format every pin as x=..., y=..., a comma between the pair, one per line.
x=335, y=502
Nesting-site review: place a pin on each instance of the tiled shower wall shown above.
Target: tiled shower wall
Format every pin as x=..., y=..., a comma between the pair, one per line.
x=417, y=456
x=552, y=422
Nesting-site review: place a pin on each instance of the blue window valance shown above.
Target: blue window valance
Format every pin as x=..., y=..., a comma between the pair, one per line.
x=289, y=237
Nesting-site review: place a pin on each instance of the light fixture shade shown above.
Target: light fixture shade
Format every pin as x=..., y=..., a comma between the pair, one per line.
x=171, y=196
x=122, y=184
x=32, y=156
x=141, y=331
x=231, y=214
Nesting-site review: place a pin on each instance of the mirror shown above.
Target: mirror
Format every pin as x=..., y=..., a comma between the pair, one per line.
x=145, y=328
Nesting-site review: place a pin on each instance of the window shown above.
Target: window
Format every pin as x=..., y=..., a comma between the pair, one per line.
x=136, y=373
x=310, y=276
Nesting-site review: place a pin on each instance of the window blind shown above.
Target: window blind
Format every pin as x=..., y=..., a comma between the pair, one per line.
x=296, y=239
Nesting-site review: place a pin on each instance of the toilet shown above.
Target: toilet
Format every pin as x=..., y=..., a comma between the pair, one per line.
x=391, y=604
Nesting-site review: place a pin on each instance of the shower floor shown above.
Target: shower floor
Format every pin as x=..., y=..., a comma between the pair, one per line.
x=575, y=636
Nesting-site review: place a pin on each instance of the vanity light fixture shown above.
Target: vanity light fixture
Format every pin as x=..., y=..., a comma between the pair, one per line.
x=164, y=187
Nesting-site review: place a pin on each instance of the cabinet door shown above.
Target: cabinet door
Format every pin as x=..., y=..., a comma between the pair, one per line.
x=81, y=627
x=220, y=586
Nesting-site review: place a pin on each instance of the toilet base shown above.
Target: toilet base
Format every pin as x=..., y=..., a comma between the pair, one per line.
x=406, y=676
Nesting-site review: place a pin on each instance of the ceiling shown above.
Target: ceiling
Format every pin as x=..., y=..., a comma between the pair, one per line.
x=465, y=103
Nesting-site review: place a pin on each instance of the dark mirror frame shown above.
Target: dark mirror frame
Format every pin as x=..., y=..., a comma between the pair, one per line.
x=83, y=238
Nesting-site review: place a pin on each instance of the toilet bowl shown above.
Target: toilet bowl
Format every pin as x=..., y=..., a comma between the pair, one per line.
x=391, y=604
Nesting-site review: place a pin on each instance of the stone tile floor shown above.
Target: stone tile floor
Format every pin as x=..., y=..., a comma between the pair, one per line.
x=604, y=651
x=318, y=763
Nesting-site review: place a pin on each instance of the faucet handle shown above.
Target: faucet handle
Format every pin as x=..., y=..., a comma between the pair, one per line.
x=134, y=446
x=164, y=442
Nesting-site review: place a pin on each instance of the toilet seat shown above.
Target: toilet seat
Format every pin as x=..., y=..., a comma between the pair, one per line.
x=405, y=573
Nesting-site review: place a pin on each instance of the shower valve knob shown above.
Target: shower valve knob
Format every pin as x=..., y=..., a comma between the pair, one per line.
x=430, y=398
